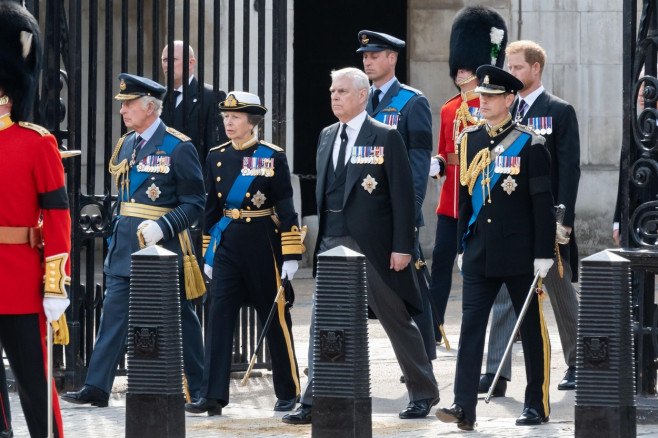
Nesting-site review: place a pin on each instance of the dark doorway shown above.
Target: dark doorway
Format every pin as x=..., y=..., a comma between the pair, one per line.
x=325, y=38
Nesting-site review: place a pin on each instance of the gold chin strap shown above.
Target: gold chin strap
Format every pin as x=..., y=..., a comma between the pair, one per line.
x=465, y=81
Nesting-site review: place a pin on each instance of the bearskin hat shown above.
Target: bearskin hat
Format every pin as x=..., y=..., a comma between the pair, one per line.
x=20, y=57
x=478, y=37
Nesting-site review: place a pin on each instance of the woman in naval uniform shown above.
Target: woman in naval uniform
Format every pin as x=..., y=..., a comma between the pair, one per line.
x=254, y=242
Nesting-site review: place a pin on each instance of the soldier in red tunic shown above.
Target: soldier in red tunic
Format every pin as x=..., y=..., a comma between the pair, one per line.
x=478, y=37
x=35, y=225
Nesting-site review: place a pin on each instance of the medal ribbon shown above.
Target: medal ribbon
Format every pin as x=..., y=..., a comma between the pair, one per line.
x=233, y=200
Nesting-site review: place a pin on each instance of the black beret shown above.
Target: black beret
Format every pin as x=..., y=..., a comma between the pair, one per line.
x=376, y=42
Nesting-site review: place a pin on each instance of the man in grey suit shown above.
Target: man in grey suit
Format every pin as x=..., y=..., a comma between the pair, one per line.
x=556, y=121
x=347, y=194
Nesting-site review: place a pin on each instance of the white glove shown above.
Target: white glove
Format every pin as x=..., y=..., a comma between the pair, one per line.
x=460, y=261
x=288, y=269
x=151, y=232
x=207, y=269
x=435, y=167
x=54, y=307
x=542, y=266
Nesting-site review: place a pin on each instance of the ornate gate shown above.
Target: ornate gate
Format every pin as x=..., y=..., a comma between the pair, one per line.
x=86, y=45
x=638, y=187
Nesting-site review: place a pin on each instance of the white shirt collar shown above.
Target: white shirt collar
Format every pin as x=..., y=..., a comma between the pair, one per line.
x=530, y=98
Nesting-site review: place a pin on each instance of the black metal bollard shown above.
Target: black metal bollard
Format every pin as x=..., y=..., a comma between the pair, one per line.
x=605, y=370
x=154, y=399
x=341, y=382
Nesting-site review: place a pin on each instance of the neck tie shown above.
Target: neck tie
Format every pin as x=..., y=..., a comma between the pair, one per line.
x=375, y=98
x=521, y=109
x=175, y=94
x=340, y=163
x=139, y=142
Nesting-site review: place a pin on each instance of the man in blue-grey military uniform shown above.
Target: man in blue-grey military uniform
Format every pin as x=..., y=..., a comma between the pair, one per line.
x=407, y=109
x=160, y=194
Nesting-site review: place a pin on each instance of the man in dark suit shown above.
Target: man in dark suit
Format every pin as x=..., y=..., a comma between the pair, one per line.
x=201, y=123
x=507, y=233
x=406, y=109
x=556, y=121
x=352, y=184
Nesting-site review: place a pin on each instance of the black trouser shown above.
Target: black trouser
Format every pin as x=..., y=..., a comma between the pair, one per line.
x=478, y=296
x=23, y=338
x=244, y=273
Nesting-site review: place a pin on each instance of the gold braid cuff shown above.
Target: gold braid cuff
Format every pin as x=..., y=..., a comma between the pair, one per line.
x=291, y=241
x=205, y=243
x=56, y=280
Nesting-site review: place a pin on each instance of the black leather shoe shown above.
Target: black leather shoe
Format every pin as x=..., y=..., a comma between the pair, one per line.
x=301, y=416
x=455, y=414
x=530, y=417
x=282, y=405
x=485, y=383
x=418, y=408
x=569, y=381
x=209, y=405
x=6, y=433
x=88, y=395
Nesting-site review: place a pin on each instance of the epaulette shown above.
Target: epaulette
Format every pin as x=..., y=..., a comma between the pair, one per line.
x=179, y=135
x=412, y=89
x=271, y=146
x=40, y=129
x=468, y=129
x=536, y=139
x=220, y=146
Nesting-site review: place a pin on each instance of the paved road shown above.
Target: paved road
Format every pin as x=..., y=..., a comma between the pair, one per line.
x=250, y=412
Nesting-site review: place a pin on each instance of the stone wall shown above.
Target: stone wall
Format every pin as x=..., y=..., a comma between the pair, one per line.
x=583, y=41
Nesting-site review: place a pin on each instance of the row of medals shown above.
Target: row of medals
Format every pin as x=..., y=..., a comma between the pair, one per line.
x=541, y=125
x=254, y=166
x=367, y=155
x=507, y=165
x=154, y=164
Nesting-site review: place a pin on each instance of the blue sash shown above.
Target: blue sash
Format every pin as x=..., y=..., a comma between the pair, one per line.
x=398, y=102
x=138, y=178
x=477, y=199
x=233, y=200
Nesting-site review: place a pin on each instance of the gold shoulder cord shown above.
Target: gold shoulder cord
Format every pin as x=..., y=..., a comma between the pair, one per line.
x=120, y=171
x=462, y=118
x=469, y=174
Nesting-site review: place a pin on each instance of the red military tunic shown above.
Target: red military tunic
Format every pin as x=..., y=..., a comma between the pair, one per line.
x=452, y=125
x=32, y=188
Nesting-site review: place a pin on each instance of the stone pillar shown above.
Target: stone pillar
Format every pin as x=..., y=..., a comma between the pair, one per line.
x=342, y=406
x=605, y=369
x=154, y=399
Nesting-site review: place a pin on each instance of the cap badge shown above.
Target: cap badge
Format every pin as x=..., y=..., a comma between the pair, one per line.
x=231, y=101
x=364, y=39
x=486, y=80
x=122, y=85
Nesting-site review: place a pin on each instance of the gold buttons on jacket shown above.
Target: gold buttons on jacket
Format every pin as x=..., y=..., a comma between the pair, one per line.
x=219, y=178
x=219, y=195
x=489, y=221
x=222, y=150
x=219, y=164
x=247, y=195
x=248, y=219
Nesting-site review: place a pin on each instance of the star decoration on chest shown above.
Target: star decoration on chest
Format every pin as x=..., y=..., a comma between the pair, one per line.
x=258, y=199
x=509, y=185
x=369, y=183
x=153, y=192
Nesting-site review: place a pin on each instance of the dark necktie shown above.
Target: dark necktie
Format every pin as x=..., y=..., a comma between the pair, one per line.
x=139, y=142
x=174, y=95
x=375, y=98
x=521, y=109
x=340, y=163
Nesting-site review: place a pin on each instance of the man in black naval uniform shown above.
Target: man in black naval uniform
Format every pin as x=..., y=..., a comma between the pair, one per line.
x=507, y=233
x=365, y=202
x=161, y=193
x=255, y=243
x=201, y=123
x=406, y=109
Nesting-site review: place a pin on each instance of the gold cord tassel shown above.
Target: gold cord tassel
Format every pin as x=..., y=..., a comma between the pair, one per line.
x=194, y=285
x=560, y=269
